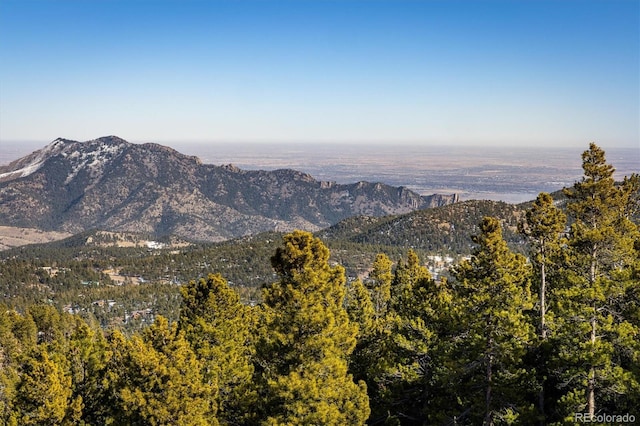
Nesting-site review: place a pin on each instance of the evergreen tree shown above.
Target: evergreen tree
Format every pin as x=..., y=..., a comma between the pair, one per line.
x=379, y=284
x=407, y=276
x=86, y=356
x=155, y=379
x=409, y=318
x=372, y=358
x=630, y=309
x=360, y=308
x=17, y=340
x=43, y=394
x=543, y=227
x=306, y=340
x=50, y=323
x=594, y=334
x=397, y=355
x=494, y=296
x=219, y=327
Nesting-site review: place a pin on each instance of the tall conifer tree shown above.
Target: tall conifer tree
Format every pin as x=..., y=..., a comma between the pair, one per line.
x=219, y=328
x=43, y=394
x=410, y=316
x=155, y=379
x=374, y=355
x=379, y=284
x=594, y=332
x=543, y=227
x=18, y=336
x=306, y=340
x=493, y=292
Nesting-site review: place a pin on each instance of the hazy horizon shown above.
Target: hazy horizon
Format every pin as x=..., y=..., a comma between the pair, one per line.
x=13, y=149
x=511, y=174
x=526, y=73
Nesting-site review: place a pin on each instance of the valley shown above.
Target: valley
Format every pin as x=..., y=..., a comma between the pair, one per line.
x=137, y=274
x=11, y=236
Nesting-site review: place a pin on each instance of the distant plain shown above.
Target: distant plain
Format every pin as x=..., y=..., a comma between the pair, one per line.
x=510, y=174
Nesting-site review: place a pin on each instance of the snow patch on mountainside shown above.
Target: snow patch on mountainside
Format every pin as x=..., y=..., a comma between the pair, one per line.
x=25, y=171
x=36, y=160
x=91, y=156
x=94, y=160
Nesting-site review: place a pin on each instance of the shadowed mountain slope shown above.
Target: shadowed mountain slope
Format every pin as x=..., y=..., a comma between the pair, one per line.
x=111, y=184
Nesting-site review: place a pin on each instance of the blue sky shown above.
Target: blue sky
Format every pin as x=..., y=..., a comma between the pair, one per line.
x=530, y=73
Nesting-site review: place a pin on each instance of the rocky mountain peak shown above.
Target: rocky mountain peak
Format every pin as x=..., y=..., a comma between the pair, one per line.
x=78, y=154
x=31, y=163
x=112, y=140
x=113, y=185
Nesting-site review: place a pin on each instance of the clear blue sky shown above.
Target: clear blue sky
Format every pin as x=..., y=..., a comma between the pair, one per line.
x=535, y=73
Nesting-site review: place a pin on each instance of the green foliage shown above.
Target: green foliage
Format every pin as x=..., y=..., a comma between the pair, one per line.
x=596, y=342
x=305, y=340
x=218, y=328
x=445, y=230
x=155, y=379
x=360, y=307
x=411, y=323
x=368, y=306
x=394, y=346
x=43, y=393
x=65, y=349
x=543, y=227
x=379, y=284
x=493, y=295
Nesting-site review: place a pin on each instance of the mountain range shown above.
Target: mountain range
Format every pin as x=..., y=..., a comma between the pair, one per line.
x=113, y=185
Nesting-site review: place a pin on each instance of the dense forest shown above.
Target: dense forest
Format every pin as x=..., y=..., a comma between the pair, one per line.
x=546, y=332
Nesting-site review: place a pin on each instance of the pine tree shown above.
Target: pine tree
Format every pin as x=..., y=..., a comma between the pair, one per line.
x=86, y=356
x=155, y=379
x=43, y=394
x=411, y=336
x=306, y=340
x=17, y=339
x=379, y=284
x=372, y=359
x=219, y=328
x=630, y=308
x=543, y=227
x=600, y=251
x=494, y=296
x=360, y=308
x=407, y=276
x=544, y=224
x=397, y=356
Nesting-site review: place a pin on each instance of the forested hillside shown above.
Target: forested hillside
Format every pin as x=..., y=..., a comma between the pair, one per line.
x=445, y=229
x=121, y=280
x=530, y=332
